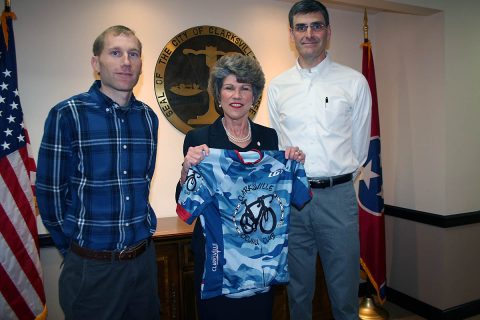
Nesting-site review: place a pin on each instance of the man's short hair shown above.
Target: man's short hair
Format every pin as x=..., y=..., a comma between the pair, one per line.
x=308, y=6
x=99, y=42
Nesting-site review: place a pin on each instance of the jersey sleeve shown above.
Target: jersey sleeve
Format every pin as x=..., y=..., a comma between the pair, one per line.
x=194, y=196
x=301, y=192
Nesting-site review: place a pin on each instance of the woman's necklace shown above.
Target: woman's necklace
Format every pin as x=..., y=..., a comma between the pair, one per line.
x=235, y=139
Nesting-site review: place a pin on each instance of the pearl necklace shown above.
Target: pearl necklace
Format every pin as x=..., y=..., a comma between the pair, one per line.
x=235, y=139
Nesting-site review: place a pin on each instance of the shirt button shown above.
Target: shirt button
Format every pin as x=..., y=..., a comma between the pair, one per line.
x=127, y=198
x=125, y=172
x=122, y=121
x=124, y=146
x=107, y=109
x=127, y=224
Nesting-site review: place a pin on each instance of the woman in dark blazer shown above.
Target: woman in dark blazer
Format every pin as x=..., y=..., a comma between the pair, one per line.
x=236, y=82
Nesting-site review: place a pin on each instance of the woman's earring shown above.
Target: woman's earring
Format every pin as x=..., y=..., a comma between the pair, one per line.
x=220, y=105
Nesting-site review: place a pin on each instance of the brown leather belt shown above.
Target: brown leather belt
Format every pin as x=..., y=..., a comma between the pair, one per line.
x=329, y=182
x=125, y=254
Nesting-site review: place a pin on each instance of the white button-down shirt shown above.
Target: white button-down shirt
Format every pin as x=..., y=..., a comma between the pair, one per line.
x=326, y=111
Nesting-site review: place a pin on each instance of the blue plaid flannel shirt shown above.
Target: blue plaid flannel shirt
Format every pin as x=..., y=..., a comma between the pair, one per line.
x=95, y=165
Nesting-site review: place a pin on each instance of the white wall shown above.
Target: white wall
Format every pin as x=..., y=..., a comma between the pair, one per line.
x=460, y=96
x=433, y=265
x=411, y=73
x=462, y=50
x=427, y=81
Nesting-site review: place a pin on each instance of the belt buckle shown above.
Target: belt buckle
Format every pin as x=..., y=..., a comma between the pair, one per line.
x=322, y=183
x=130, y=252
x=125, y=254
x=121, y=253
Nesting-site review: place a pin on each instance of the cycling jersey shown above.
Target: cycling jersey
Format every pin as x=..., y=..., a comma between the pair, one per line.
x=243, y=200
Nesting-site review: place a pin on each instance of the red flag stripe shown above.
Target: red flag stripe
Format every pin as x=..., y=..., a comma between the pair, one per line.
x=22, y=246
x=18, y=220
x=373, y=255
x=368, y=69
x=31, y=168
x=29, y=161
x=20, y=279
x=12, y=181
x=13, y=297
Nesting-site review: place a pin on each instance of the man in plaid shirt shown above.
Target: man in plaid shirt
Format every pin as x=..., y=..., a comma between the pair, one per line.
x=95, y=165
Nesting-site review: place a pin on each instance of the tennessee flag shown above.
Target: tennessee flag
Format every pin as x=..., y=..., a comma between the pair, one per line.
x=370, y=193
x=21, y=287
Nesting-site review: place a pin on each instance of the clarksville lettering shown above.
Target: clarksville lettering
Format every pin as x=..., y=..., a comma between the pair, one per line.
x=253, y=187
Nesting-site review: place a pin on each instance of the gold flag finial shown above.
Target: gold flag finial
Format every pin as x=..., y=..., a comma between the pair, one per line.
x=7, y=13
x=365, y=25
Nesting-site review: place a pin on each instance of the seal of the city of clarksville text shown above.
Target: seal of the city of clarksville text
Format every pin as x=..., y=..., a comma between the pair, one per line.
x=182, y=71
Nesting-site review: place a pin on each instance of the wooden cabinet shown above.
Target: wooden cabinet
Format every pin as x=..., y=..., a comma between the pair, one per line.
x=175, y=269
x=175, y=276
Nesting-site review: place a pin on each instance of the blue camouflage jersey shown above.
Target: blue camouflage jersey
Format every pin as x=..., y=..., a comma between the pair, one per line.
x=243, y=200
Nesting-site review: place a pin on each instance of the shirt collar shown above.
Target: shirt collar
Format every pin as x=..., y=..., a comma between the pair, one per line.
x=250, y=157
x=103, y=99
x=318, y=69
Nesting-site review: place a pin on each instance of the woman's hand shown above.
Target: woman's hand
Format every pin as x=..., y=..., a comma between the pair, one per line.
x=294, y=153
x=194, y=156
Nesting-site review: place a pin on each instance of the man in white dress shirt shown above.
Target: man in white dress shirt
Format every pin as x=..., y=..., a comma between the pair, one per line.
x=325, y=109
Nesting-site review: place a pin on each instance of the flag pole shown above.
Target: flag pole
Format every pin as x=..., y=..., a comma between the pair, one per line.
x=368, y=309
x=365, y=25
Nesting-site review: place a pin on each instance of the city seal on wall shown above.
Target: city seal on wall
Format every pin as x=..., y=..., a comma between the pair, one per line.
x=182, y=71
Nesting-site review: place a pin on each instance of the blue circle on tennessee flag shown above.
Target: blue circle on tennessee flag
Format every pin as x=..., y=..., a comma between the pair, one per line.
x=370, y=186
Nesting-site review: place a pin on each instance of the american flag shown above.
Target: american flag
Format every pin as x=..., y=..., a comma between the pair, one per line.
x=21, y=291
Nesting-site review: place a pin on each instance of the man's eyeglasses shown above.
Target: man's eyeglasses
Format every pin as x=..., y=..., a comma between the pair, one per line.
x=316, y=27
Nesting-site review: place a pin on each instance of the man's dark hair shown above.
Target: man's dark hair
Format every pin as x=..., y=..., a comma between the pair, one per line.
x=308, y=6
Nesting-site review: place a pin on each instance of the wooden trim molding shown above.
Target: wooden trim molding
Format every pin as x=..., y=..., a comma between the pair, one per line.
x=443, y=221
x=429, y=312
x=45, y=240
x=169, y=226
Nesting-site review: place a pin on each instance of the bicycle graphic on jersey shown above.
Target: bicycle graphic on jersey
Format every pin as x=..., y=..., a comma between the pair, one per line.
x=265, y=218
x=191, y=180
